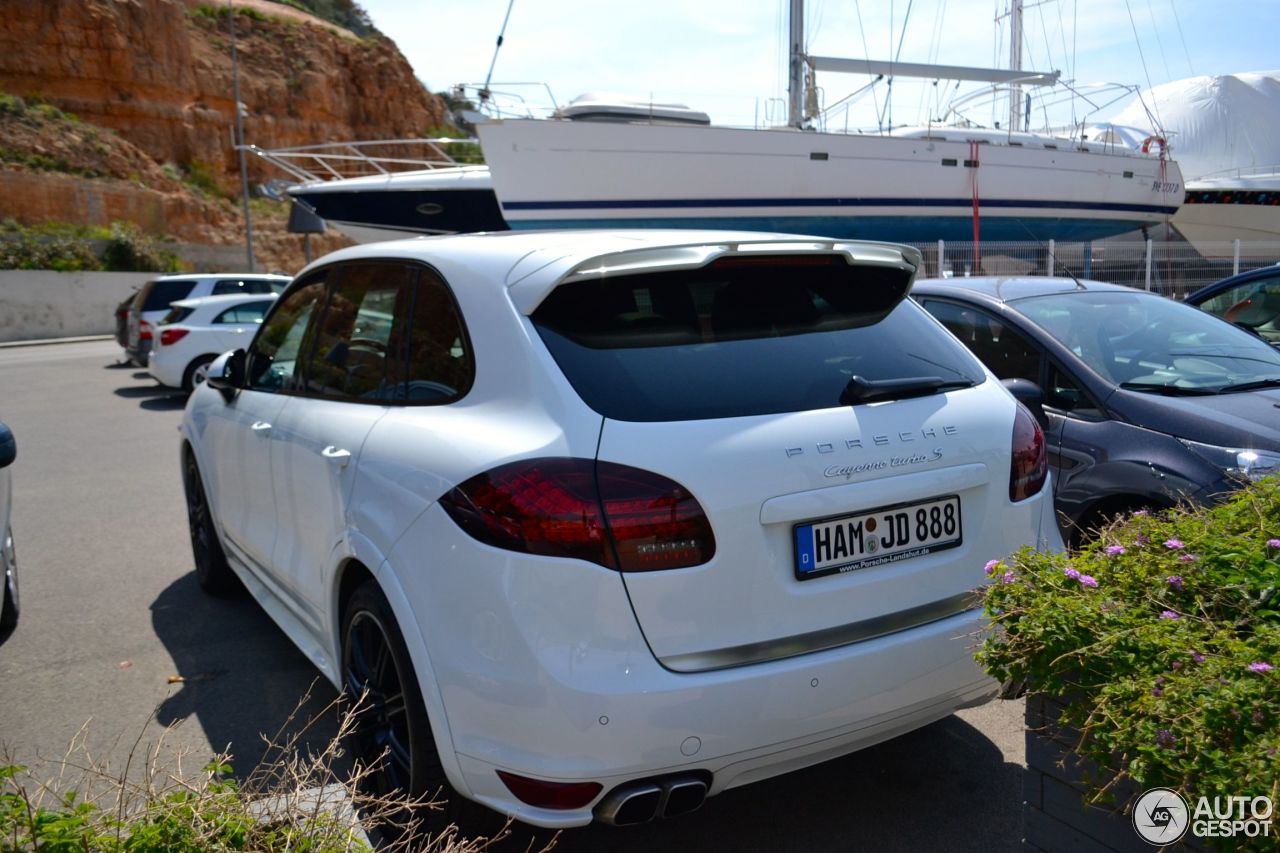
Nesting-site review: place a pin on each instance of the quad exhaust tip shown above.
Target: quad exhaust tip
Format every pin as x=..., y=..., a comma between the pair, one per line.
x=646, y=800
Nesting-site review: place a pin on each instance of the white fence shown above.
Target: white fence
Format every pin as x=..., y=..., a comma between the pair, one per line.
x=1167, y=267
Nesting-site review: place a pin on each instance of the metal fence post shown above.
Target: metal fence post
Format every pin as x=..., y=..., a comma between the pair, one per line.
x=1052, y=248
x=1148, y=263
x=941, y=254
x=1088, y=259
x=1235, y=263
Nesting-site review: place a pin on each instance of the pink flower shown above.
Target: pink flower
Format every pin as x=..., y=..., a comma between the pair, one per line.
x=1173, y=544
x=1072, y=573
x=991, y=567
x=1260, y=666
x=1274, y=543
x=1009, y=577
x=1115, y=550
x=1086, y=580
x=1138, y=513
x=1169, y=614
x=1186, y=558
x=1174, y=581
x=1197, y=657
x=1142, y=539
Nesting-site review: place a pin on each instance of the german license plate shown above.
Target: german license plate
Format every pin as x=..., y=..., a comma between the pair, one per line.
x=876, y=537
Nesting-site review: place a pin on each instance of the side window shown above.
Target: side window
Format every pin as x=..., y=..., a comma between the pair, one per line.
x=250, y=312
x=1006, y=353
x=440, y=367
x=1064, y=394
x=355, y=340
x=273, y=357
x=241, y=285
x=1254, y=304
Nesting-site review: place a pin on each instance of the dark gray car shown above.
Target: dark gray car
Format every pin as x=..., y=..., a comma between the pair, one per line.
x=8, y=559
x=1144, y=401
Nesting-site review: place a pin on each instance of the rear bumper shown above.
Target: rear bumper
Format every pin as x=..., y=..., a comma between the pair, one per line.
x=540, y=669
x=138, y=353
x=163, y=366
x=761, y=722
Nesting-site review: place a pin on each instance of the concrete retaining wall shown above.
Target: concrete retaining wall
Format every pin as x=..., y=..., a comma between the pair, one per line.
x=38, y=304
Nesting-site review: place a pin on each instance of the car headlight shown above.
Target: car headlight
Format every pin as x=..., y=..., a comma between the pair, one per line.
x=1237, y=461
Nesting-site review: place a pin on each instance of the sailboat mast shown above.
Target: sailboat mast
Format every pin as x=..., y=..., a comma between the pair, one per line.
x=1015, y=64
x=795, y=81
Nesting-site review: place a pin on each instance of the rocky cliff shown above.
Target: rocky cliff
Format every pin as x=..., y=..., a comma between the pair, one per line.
x=159, y=74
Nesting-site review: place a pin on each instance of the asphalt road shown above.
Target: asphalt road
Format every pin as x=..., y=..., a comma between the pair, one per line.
x=111, y=616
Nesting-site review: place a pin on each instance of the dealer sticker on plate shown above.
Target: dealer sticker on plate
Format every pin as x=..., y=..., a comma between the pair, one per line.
x=876, y=537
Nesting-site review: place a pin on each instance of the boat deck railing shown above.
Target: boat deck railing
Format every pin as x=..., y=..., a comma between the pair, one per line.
x=334, y=160
x=1245, y=172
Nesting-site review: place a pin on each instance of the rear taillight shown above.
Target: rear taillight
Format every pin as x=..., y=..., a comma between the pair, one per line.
x=560, y=796
x=613, y=515
x=169, y=337
x=1029, y=466
x=144, y=331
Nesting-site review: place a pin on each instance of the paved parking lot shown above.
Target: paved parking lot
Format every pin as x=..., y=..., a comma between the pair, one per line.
x=111, y=616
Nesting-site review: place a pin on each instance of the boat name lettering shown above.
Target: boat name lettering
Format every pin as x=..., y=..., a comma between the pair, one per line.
x=1165, y=187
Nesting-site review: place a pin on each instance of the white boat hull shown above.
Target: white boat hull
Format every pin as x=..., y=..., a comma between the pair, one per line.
x=551, y=174
x=1220, y=211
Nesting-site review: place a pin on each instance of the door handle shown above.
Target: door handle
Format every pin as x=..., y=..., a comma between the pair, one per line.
x=337, y=455
x=260, y=426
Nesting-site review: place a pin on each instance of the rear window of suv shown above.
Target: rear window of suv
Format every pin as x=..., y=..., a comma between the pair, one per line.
x=731, y=339
x=157, y=295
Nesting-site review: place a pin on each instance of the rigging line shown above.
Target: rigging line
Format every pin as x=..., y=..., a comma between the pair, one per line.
x=498, y=46
x=901, y=40
x=1075, y=20
x=1143, y=57
x=1151, y=13
x=935, y=37
x=1181, y=37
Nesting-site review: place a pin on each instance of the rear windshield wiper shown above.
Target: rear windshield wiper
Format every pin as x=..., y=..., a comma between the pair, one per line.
x=1168, y=390
x=862, y=390
x=1255, y=385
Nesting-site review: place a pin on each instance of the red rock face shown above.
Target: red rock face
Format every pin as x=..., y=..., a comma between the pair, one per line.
x=159, y=72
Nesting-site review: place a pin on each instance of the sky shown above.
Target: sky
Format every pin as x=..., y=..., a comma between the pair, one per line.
x=728, y=57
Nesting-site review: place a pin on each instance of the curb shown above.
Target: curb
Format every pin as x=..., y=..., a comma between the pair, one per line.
x=80, y=340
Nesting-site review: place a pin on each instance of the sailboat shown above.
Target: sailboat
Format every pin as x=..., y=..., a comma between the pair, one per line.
x=611, y=162
x=917, y=184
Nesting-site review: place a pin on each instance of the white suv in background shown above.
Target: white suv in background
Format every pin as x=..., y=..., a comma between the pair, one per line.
x=153, y=300
x=195, y=331
x=607, y=522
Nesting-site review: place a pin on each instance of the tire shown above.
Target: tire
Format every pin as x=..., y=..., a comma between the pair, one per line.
x=9, y=593
x=390, y=740
x=212, y=572
x=196, y=373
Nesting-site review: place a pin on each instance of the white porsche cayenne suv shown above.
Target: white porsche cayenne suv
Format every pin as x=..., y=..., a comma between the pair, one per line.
x=608, y=522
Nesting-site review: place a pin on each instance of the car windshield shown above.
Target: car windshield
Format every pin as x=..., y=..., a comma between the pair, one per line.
x=1145, y=342
x=729, y=341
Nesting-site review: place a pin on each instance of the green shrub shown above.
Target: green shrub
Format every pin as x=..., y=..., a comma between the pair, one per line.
x=1163, y=638
x=129, y=250
x=31, y=251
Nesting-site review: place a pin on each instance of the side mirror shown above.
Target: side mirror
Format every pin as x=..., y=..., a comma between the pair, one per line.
x=8, y=447
x=227, y=373
x=1028, y=394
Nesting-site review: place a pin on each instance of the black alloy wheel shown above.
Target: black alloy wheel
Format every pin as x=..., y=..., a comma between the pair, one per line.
x=391, y=737
x=212, y=572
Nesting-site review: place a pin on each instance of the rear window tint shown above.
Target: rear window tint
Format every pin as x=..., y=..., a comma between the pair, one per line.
x=158, y=294
x=176, y=315
x=730, y=341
